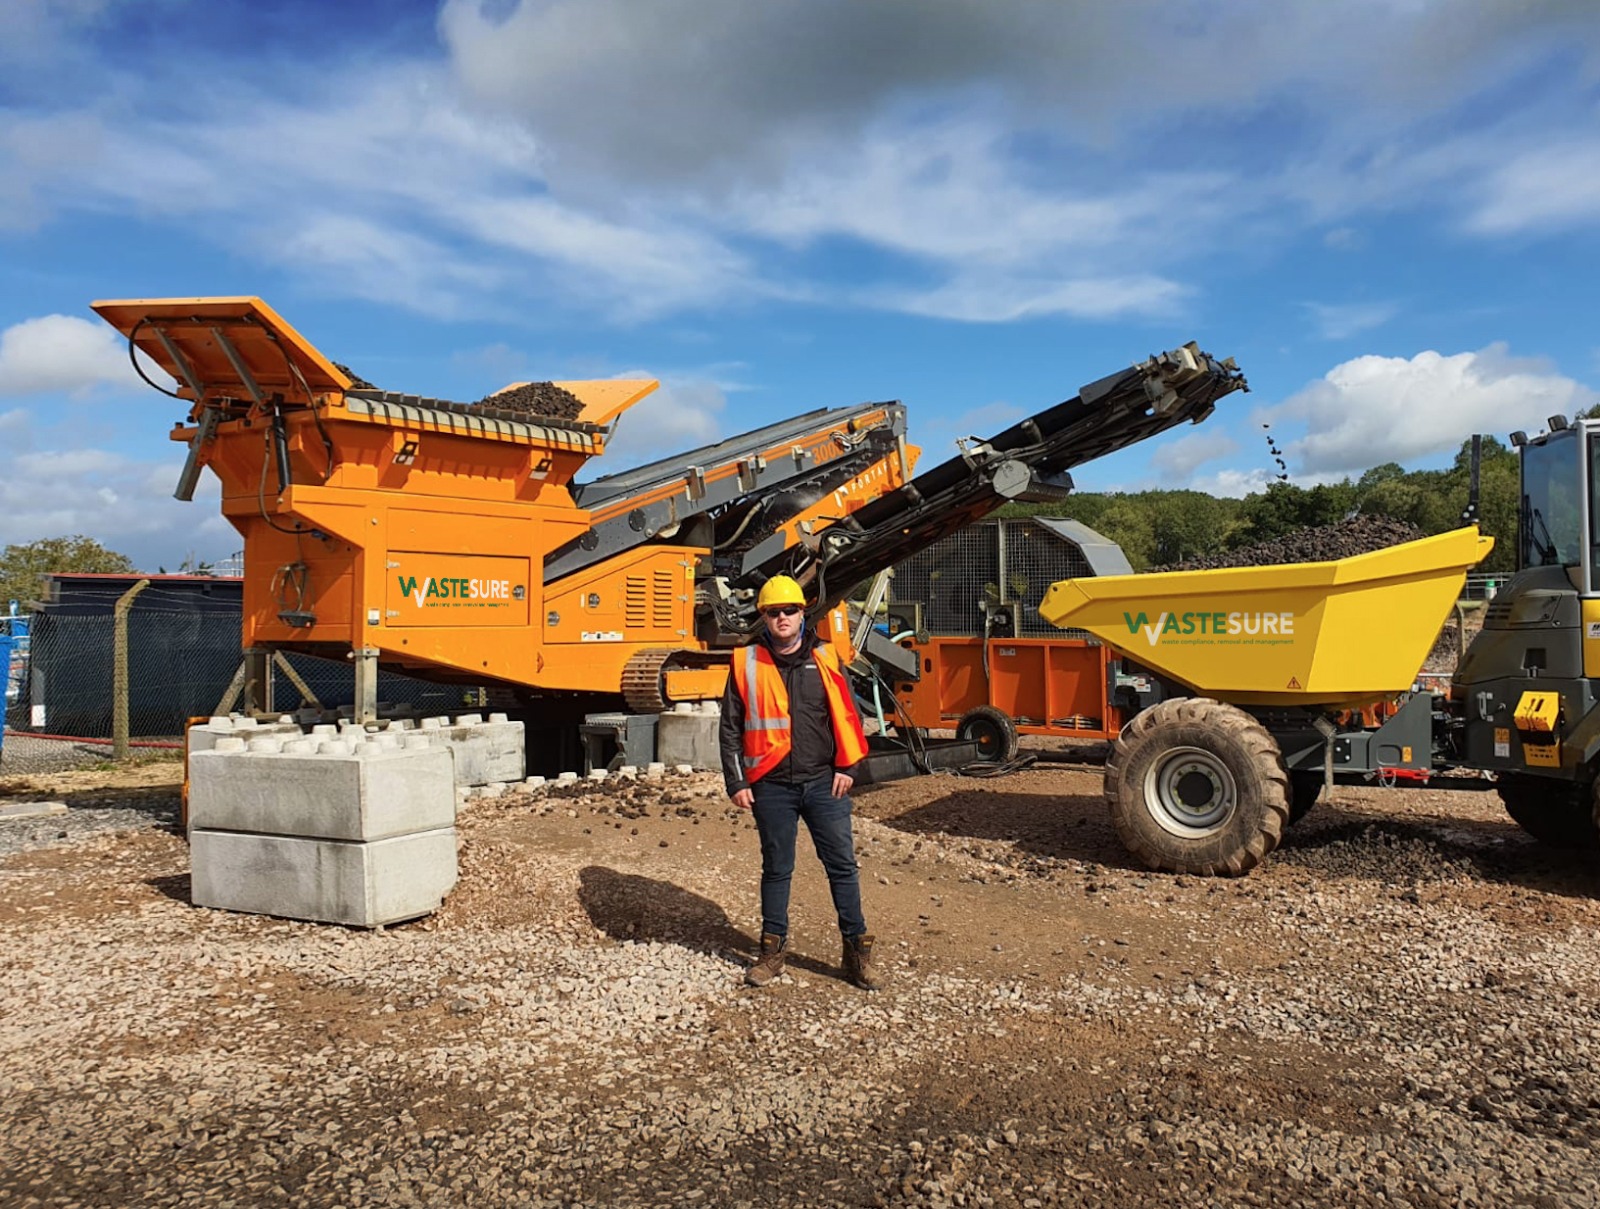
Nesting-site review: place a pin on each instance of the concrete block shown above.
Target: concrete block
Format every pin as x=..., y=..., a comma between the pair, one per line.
x=484, y=751
x=328, y=881
x=31, y=810
x=367, y=790
x=689, y=738
x=203, y=736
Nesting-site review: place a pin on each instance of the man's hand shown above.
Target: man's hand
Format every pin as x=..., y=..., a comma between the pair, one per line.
x=841, y=784
x=746, y=798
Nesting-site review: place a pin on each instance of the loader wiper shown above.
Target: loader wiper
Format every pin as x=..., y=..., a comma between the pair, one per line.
x=1547, y=552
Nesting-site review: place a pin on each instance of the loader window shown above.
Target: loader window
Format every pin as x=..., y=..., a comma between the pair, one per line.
x=1550, y=525
x=1594, y=511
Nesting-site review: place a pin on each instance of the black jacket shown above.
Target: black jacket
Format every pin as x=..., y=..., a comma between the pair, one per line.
x=811, y=729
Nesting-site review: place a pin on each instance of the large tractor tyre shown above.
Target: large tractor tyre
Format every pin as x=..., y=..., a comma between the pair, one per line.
x=1304, y=790
x=1196, y=786
x=1553, y=812
x=994, y=732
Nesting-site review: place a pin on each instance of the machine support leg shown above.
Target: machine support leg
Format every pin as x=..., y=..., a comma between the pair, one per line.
x=366, y=702
x=257, y=680
x=1328, y=731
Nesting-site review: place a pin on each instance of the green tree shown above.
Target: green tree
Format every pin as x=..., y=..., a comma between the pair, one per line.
x=23, y=567
x=1130, y=522
x=1188, y=524
x=1285, y=507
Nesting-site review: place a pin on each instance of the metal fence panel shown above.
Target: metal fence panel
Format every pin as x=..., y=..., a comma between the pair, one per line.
x=60, y=701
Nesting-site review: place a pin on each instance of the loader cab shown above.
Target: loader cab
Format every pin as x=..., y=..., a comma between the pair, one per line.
x=1536, y=641
x=1558, y=516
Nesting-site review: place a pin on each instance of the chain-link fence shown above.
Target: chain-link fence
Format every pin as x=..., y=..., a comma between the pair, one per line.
x=986, y=578
x=63, y=694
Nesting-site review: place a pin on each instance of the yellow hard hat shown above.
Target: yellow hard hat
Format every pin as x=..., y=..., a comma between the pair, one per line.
x=780, y=590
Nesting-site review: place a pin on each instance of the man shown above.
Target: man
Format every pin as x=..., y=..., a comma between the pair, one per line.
x=791, y=740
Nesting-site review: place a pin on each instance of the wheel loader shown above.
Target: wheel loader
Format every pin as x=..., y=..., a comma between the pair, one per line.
x=460, y=543
x=1241, y=691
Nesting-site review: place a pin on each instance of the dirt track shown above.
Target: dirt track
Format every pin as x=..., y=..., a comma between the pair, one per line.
x=1400, y=1007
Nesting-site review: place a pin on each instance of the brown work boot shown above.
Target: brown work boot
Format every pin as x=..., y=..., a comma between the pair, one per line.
x=858, y=963
x=774, y=952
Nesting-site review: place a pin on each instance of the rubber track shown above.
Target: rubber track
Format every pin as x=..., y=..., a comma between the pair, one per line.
x=641, y=680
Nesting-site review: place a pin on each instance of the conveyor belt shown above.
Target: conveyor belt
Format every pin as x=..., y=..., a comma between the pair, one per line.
x=658, y=499
x=1027, y=461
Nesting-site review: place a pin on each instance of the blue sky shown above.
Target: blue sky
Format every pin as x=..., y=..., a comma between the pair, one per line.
x=1387, y=210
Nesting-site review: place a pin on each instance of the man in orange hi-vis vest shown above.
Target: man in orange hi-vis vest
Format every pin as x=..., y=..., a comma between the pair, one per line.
x=791, y=740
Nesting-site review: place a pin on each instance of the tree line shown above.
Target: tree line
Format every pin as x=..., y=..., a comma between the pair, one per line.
x=1158, y=528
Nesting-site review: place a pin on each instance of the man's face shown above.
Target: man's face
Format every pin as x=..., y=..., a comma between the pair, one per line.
x=783, y=623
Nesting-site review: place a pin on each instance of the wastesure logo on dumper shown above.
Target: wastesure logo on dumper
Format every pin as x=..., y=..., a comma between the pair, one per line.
x=1193, y=627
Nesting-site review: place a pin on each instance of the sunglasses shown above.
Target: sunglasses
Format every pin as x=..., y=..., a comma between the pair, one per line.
x=784, y=611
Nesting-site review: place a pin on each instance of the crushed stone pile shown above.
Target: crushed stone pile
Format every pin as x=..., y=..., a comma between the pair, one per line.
x=535, y=400
x=357, y=382
x=1321, y=543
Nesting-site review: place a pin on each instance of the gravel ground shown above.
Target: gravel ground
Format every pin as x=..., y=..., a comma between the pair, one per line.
x=24, y=755
x=1398, y=1008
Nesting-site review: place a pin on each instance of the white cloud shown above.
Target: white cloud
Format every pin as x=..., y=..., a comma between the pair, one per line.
x=1340, y=321
x=1373, y=409
x=1555, y=186
x=125, y=503
x=997, y=162
x=62, y=353
x=611, y=82
x=1232, y=484
x=1178, y=459
x=682, y=415
x=1006, y=299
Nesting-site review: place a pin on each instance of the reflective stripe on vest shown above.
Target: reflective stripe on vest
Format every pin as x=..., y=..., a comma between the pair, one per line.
x=767, y=737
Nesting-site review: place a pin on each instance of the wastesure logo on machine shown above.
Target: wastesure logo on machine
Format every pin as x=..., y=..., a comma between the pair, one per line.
x=431, y=589
x=454, y=590
x=1197, y=628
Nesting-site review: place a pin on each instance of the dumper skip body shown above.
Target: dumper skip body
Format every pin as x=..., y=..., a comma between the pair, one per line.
x=1338, y=633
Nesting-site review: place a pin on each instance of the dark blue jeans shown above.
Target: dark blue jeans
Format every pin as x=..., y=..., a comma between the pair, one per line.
x=779, y=810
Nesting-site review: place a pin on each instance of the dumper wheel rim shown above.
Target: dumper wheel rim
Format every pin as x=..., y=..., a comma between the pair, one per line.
x=1190, y=792
x=1197, y=786
x=993, y=730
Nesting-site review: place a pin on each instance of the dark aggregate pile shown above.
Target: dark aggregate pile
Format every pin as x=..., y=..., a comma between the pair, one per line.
x=535, y=399
x=1342, y=539
x=357, y=382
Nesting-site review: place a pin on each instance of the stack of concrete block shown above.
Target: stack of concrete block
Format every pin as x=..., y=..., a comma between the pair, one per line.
x=486, y=752
x=688, y=735
x=338, y=826
x=203, y=736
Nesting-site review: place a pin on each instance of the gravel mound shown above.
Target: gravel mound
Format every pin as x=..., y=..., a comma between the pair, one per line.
x=357, y=382
x=534, y=400
x=1322, y=543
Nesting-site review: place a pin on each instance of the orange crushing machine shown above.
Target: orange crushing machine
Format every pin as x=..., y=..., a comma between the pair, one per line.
x=456, y=542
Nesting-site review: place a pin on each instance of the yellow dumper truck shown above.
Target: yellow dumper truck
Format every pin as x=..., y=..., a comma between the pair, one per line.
x=1241, y=688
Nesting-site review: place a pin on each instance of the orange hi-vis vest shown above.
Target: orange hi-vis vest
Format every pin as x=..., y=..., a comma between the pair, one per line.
x=767, y=736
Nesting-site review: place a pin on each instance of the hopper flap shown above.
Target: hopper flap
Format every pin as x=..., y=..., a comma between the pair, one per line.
x=236, y=348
